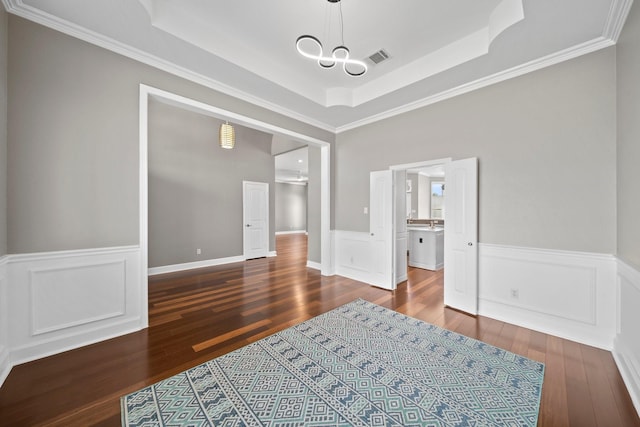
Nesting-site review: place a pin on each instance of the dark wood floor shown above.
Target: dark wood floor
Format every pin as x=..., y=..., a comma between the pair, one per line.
x=205, y=313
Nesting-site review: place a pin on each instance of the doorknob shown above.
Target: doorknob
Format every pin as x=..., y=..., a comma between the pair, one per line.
x=372, y=234
x=248, y=225
x=469, y=244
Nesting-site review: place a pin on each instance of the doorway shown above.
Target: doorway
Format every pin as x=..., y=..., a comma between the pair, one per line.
x=460, y=229
x=147, y=93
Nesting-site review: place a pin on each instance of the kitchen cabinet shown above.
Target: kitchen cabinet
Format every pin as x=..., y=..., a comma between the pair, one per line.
x=426, y=247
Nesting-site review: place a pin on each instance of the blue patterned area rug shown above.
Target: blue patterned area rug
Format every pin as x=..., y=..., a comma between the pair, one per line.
x=357, y=365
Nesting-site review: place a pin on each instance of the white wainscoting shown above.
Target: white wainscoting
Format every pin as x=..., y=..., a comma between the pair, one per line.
x=353, y=255
x=63, y=300
x=626, y=349
x=567, y=294
x=5, y=362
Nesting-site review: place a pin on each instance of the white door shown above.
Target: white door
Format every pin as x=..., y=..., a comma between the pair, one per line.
x=400, y=220
x=461, y=235
x=381, y=229
x=255, y=215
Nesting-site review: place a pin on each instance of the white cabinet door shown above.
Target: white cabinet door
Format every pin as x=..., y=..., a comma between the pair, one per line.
x=461, y=235
x=381, y=229
x=255, y=196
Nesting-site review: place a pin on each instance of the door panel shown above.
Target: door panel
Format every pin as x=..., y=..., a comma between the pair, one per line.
x=381, y=228
x=400, y=221
x=461, y=235
x=255, y=219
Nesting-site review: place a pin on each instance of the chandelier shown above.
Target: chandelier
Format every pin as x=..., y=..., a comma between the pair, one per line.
x=310, y=47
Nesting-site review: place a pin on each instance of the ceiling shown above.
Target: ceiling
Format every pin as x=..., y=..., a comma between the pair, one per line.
x=247, y=48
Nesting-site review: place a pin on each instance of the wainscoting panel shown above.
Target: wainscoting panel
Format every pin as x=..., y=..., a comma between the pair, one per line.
x=99, y=289
x=567, y=294
x=5, y=362
x=353, y=255
x=63, y=300
x=627, y=343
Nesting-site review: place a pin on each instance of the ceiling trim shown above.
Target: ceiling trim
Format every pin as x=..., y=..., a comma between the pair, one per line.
x=616, y=19
x=17, y=7
x=555, y=58
x=611, y=32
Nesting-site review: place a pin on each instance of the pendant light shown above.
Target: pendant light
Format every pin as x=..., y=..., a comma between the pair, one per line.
x=227, y=136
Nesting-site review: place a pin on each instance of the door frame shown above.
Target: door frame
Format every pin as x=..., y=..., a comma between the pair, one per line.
x=148, y=92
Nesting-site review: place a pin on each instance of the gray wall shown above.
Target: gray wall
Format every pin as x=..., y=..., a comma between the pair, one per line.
x=314, y=252
x=546, y=147
x=628, y=56
x=73, y=139
x=3, y=131
x=281, y=145
x=195, y=187
x=291, y=207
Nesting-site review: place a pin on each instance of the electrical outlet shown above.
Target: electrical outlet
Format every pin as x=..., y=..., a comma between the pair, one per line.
x=515, y=293
x=366, y=210
x=198, y=251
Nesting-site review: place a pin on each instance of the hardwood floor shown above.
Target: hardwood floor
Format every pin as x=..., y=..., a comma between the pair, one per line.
x=205, y=313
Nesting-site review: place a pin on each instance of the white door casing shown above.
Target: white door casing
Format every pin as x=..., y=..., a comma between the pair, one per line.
x=255, y=215
x=381, y=229
x=461, y=235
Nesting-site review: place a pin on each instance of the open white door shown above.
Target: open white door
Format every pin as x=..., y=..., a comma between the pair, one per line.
x=255, y=215
x=381, y=229
x=461, y=235
x=400, y=228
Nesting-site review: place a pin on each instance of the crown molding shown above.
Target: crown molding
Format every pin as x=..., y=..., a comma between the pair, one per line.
x=616, y=18
x=18, y=8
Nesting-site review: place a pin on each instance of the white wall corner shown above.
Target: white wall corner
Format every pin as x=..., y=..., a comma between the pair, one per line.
x=5, y=361
x=567, y=294
x=331, y=270
x=626, y=349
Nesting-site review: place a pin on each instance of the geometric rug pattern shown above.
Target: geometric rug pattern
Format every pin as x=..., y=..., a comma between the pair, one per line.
x=357, y=365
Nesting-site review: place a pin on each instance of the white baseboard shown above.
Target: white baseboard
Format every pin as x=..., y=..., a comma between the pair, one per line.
x=314, y=265
x=5, y=364
x=191, y=265
x=562, y=293
x=278, y=233
x=58, y=301
x=626, y=349
x=272, y=254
